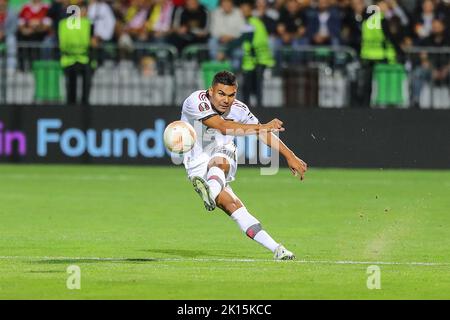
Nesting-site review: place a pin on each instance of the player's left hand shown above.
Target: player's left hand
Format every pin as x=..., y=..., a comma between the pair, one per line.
x=297, y=166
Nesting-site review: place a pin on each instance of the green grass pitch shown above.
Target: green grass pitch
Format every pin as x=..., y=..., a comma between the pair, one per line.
x=142, y=232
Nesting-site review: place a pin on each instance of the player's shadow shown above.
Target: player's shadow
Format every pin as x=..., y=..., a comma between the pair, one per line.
x=186, y=253
x=96, y=260
x=45, y=271
x=183, y=253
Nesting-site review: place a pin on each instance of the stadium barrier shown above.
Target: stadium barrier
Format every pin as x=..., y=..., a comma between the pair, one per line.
x=156, y=75
x=136, y=75
x=373, y=138
x=429, y=77
x=302, y=78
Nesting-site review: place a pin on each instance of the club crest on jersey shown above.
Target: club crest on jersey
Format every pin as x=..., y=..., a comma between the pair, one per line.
x=202, y=96
x=203, y=106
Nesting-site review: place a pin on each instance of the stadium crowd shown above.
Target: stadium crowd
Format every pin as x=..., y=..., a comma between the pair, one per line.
x=184, y=22
x=224, y=26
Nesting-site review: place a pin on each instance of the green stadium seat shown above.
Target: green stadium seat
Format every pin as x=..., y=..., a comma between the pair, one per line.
x=16, y=5
x=47, y=76
x=210, y=68
x=323, y=52
x=389, y=79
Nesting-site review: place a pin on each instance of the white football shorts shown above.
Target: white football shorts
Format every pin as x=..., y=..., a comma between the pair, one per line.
x=199, y=165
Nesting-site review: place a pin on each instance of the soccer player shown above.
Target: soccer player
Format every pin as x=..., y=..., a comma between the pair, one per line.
x=211, y=164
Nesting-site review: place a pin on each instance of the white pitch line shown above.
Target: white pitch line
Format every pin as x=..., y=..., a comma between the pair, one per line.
x=120, y=177
x=150, y=259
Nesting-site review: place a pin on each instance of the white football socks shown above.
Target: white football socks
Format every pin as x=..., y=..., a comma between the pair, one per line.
x=216, y=181
x=251, y=226
x=266, y=240
x=247, y=223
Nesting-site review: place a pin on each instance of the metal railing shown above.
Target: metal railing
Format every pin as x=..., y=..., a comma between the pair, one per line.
x=429, y=77
x=316, y=76
x=303, y=77
x=142, y=75
x=156, y=75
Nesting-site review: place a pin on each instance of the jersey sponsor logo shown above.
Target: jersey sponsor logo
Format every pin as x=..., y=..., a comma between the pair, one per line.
x=203, y=107
x=202, y=96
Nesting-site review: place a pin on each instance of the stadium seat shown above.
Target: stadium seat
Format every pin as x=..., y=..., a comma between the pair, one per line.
x=16, y=5
x=323, y=54
x=210, y=68
x=47, y=77
x=389, y=80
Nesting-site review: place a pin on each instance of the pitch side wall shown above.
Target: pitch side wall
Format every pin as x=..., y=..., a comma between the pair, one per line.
x=133, y=135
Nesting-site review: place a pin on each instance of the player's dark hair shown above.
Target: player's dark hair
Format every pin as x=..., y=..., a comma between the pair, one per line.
x=225, y=77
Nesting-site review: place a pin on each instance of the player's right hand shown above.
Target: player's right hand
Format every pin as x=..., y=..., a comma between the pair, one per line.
x=297, y=166
x=273, y=126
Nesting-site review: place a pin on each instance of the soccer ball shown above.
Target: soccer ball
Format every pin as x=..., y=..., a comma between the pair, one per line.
x=179, y=137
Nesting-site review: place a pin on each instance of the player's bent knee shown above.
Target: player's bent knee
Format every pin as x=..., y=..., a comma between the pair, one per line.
x=221, y=163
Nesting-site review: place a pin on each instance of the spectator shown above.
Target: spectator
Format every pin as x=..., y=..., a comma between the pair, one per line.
x=257, y=55
x=161, y=20
x=119, y=9
x=34, y=26
x=291, y=32
x=210, y=5
x=291, y=26
x=443, y=13
x=74, y=44
x=398, y=24
x=134, y=32
x=446, y=9
x=190, y=25
x=227, y=23
x=8, y=27
x=423, y=20
x=277, y=4
x=102, y=19
x=396, y=9
x=324, y=24
x=33, y=21
x=179, y=3
x=376, y=47
x=268, y=16
x=103, y=22
x=353, y=17
x=56, y=12
x=136, y=18
x=433, y=67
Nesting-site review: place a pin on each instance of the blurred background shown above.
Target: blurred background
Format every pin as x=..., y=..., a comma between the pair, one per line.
x=357, y=84
x=287, y=53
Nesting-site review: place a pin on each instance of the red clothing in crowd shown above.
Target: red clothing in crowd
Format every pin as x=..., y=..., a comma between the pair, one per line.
x=32, y=12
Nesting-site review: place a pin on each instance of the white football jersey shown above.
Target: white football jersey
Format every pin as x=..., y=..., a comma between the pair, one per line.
x=196, y=108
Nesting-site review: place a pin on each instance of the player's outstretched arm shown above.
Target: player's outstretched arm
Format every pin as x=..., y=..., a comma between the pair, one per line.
x=297, y=165
x=240, y=129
